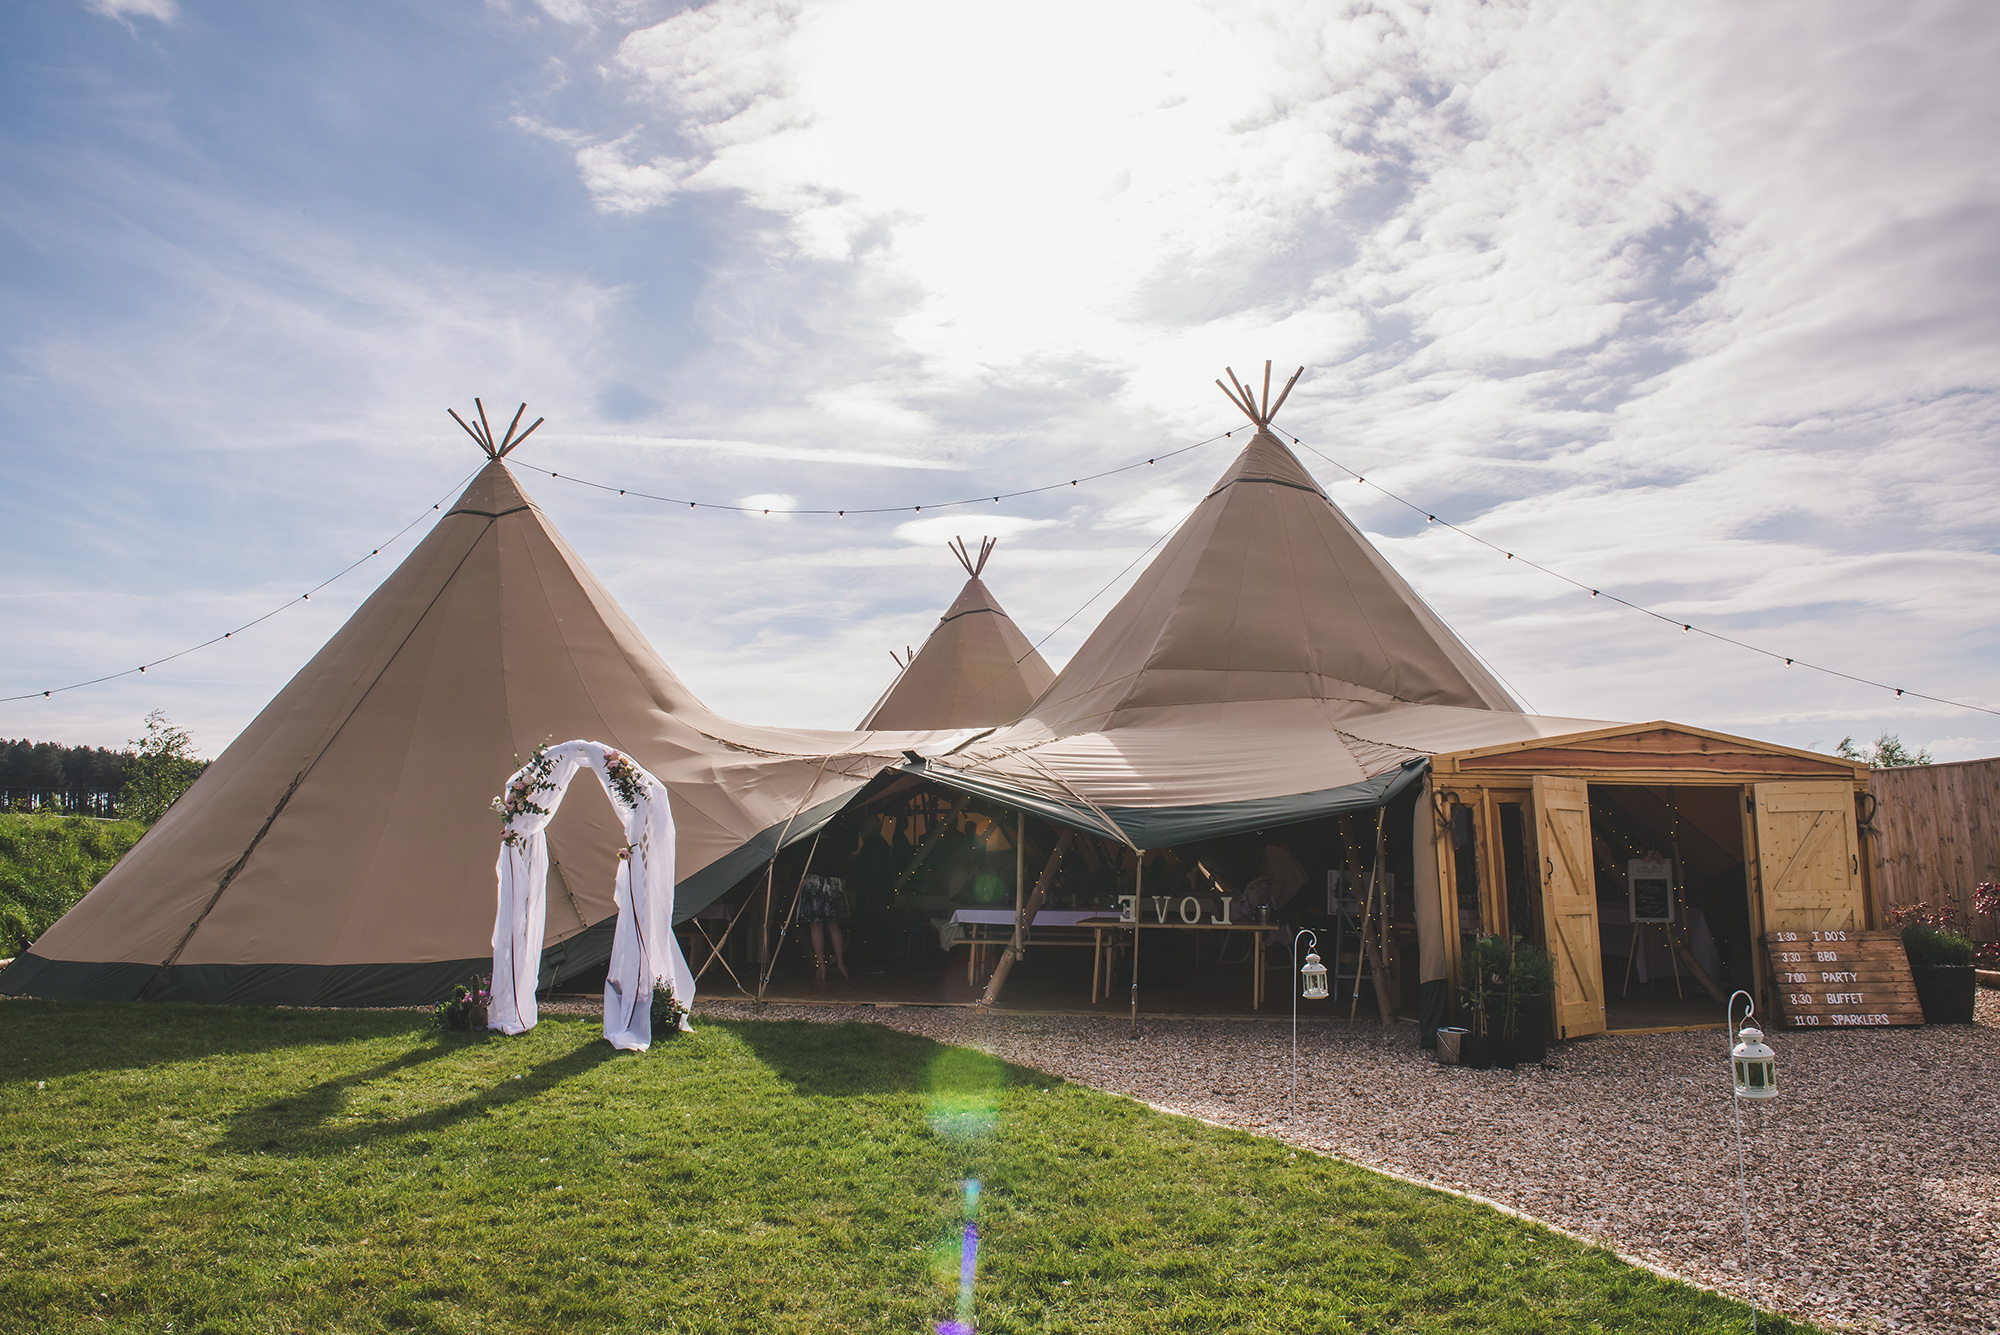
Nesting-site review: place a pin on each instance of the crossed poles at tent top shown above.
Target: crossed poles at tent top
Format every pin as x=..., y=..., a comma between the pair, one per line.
x=484, y=435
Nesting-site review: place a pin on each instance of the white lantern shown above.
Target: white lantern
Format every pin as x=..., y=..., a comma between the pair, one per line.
x=1314, y=976
x=1755, y=1067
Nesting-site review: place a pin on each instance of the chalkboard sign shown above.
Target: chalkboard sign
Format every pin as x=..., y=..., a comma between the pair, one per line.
x=1827, y=979
x=1650, y=889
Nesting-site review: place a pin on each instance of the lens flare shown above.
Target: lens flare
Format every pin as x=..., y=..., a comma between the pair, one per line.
x=964, y=1105
x=968, y=1264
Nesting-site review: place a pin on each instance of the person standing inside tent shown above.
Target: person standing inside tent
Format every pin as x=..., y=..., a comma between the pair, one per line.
x=823, y=908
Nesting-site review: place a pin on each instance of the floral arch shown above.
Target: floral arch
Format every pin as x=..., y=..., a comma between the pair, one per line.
x=643, y=950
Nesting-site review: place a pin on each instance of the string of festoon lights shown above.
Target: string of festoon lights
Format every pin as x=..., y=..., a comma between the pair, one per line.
x=990, y=498
x=993, y=498
x=1686, y=627
x=288, y=604
x=285, y=606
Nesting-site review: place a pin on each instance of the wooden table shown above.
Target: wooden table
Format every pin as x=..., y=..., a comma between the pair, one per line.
x=986, y=930
x=1100, y=973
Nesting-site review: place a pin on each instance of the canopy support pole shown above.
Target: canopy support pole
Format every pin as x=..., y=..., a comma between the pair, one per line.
x=1373, y=921
x=1138, y=916
x=1024, y=918
x=791, y=913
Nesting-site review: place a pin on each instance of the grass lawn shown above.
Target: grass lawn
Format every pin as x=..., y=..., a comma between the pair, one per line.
x=189, y=1169
x=47, y=863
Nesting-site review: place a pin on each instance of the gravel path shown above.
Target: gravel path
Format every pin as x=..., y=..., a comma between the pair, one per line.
x=1875, y=1184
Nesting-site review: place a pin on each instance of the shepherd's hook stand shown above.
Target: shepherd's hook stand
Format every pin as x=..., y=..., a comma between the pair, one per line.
x=1292, y=1113
x=1742, y=1170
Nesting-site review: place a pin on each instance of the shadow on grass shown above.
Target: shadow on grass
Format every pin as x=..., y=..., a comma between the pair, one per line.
x=48, y=1040
x=853, y=1059
x=302, y=1124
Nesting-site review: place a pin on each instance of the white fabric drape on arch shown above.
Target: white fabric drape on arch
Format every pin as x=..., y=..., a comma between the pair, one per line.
x=643, y=948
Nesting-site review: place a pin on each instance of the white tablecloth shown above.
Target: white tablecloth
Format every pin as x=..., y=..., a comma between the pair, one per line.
x=952, y=929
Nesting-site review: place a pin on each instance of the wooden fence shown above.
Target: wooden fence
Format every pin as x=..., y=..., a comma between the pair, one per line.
x=1935, y=834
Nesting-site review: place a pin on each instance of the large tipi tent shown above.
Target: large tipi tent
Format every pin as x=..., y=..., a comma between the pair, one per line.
x=976, y=670
x=341, y=850
x=1268, y=666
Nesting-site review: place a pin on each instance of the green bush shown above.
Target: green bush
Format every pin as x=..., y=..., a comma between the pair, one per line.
x=47, y=863
x=1931, y=946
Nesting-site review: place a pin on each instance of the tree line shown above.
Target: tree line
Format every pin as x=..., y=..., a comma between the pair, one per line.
x=138, y=783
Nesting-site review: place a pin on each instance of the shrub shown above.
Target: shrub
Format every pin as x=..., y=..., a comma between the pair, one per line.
x=163, y=768
x=1928, y=947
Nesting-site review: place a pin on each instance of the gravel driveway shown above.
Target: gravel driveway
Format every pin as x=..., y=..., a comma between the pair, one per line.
x=1875, y=1185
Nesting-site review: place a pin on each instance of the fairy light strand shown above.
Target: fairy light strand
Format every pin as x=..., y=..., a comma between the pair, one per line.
x=1686, y=627
x=985, y=498
x=257, y=621
x=1081, y=478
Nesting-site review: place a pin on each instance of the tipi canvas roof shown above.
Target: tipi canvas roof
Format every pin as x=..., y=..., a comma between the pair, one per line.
x=975, y=670
x=341, y=850
x=1269, y=665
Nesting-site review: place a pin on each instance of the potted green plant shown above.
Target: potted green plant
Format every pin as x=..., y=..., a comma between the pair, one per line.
x=1479, y=967
x=1505, y=996
x=1941, y=964
x=1534, y=979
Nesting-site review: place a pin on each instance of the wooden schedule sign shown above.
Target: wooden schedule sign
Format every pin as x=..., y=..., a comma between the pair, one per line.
x=1842, y=978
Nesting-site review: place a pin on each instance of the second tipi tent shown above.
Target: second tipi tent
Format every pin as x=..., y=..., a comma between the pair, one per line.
x=977, y=670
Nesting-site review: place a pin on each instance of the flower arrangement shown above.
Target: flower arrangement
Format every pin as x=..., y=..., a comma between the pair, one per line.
x=1986, y=899
x=626, y=779
x=1986, y=903
x=536, y=777
x=667, y=1010
x=1922, y=914
x=467, y=1007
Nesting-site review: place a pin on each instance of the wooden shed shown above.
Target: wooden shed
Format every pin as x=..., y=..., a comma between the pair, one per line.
x=1530, y=838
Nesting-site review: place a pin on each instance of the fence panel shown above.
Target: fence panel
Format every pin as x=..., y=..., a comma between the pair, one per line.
x=1935, y=834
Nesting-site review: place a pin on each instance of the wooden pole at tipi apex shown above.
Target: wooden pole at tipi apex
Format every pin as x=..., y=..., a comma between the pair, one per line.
x=473, y=432
x=1268, y=417
x=1241, y=396
x=511, y=440
x=482, y=434
x=1246, y=401
x=957, y=548
x=986, y=546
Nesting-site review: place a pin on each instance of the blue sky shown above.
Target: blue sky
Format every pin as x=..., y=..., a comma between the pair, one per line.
x=1698, y=303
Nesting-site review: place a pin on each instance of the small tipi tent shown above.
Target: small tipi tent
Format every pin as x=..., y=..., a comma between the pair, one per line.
x=976, y=670
x=341, y=850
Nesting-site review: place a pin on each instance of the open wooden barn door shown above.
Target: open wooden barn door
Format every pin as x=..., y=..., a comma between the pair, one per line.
x=1808, y=857
x=1569, y=903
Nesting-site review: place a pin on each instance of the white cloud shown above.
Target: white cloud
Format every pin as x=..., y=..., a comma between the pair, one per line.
x=748, y=449
x=166, y=11
x=1154, y=510
x=770, y=505
x=970, y=524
